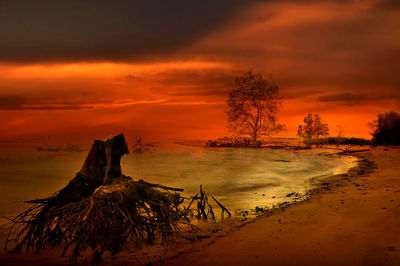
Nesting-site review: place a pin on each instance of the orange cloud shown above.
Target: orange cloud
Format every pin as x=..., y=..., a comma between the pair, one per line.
x=336, y=58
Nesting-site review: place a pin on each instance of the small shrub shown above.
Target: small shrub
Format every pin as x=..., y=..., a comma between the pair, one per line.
x=386, y=129
x=234, y=142
x=345, y=141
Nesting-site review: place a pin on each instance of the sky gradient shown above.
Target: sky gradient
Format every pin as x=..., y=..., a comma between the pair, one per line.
x=163, y=70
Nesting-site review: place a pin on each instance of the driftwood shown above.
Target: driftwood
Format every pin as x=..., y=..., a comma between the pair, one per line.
x=160, y=186
x=222, y=207
x=204, y=208
x=354, y=151
x=100, y=209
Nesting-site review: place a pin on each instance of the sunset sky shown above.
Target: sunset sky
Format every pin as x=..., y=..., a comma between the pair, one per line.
x=163, y=69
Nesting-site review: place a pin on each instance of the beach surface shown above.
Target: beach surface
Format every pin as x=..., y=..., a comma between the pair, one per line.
x=351, y=219
x=354, y=222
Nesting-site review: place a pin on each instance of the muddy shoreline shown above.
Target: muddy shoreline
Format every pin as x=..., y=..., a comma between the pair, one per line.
x=207, y=235
x=189, y=242
x=350, y=219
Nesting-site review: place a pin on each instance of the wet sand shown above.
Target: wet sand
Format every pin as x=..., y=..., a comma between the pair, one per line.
x=351, y=219
x=354, y=222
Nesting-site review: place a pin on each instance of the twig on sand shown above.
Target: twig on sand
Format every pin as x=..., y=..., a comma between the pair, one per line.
x=222, y=207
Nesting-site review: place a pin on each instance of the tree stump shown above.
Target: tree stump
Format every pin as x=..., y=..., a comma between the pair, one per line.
x=101, y=209
x=94, y=167
x=116, y=147
x=101, y=167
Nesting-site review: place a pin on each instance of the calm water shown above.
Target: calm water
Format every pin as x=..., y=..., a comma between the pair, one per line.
x=239, y=178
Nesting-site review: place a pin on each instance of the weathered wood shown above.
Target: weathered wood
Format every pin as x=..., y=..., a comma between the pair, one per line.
x=160, y=186
x=210, y=210
x=221, y=206
x=99, y=209
x=101, y=167
x=116, y=147
x=95, y=163
x=190, y=204
x=102, y=209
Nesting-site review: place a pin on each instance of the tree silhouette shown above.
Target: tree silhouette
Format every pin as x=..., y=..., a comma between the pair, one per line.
x=340, y=134
x=386, y=129
x=252, y=107
x=313, y=127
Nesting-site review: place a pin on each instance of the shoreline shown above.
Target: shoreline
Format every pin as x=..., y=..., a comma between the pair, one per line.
x=159, y=254
x=187, y=244
x=350, y=234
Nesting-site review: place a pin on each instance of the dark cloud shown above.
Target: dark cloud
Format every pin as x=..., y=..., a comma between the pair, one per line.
x=11, y=102
x=49, y=107
x=349, y=50
x=299, y=93
x=387, y=4
x=341, y=97
x=48, y=30
x=210, y=84
x=16, y=103
x=75, y=30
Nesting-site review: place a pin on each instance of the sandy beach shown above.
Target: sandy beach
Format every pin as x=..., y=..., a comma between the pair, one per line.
x=354, y=222
x=352, y=219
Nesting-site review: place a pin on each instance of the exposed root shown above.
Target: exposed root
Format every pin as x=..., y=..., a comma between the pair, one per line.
x=112, y=215
x=101, y=209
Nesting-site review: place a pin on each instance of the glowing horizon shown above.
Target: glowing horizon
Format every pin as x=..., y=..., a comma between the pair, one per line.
x=335, y=59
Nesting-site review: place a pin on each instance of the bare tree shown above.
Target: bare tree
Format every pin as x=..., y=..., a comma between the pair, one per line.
x=252, y=107
x=340, y=134
x=313, y=127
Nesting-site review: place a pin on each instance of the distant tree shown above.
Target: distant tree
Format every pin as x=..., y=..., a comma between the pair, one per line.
x=346, y=141
x=252, y=107
x=313, y=128
x=340, y=134
x=139, y=146
x=386, y=129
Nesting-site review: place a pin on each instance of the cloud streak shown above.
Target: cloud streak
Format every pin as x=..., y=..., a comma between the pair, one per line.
x=341, y=97
x=19, y=103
